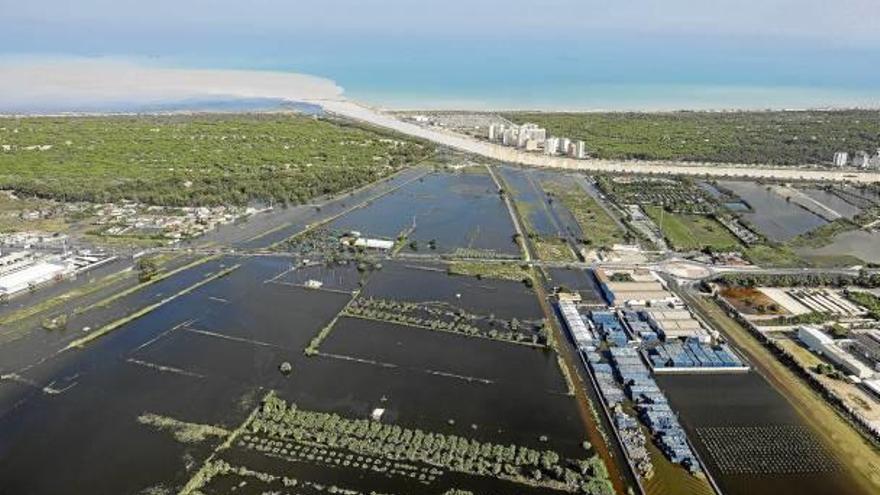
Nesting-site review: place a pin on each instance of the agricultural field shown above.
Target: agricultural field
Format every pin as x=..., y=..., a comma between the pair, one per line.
x=692, y=232
x=778, y=138
x=195, y=160
x=679, y=195
x=599, y=229
x=553, y=249
x=751, y=301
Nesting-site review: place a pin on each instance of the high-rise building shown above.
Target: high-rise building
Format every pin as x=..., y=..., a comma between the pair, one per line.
x=564, y=145
x=551, y=145
x=874, y=161
x=493, y=130
x=840, y=158
x=580, y=150
x=860, y=159
x=508, y=137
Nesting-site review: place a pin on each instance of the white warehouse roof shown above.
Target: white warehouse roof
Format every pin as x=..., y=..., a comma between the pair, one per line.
x=374, y=243
x=35, y=274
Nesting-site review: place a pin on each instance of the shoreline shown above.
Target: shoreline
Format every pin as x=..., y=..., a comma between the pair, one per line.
x=428, y=108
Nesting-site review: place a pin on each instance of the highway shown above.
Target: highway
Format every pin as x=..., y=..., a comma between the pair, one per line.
x=506, y=154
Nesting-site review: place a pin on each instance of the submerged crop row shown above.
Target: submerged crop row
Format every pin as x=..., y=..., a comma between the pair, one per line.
x=446, y=318
x=285, y=422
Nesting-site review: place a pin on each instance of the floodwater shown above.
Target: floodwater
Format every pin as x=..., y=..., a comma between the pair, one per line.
x=345, y=277
x=429, y=283
x=208, y=356
x=776, y=218
x=833, y=201
x=859, y=243
x=532, y=200
x=469, y=358
x=579, y=280
x=752, y=439
x=456, y=210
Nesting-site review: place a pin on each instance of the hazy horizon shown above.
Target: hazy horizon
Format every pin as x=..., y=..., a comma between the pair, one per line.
x=556, y=55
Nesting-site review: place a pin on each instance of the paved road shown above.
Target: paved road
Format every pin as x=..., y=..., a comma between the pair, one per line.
x=511, y=155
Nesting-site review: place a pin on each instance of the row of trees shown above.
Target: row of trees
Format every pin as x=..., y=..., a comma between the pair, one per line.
x=863, y=279
x=445, y=318
x=371, y=438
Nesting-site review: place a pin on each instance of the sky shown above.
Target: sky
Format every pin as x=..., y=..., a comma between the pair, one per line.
x=487, y=52
x=837, y=21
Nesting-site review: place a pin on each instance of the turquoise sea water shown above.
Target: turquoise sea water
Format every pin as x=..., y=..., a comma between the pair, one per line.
x=579, y=73
x=576, y=71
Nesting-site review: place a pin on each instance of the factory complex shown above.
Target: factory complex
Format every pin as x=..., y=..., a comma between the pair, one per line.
x=644, y=330
x=25, y=270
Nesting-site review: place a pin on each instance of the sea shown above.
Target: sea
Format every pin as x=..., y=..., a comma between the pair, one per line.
x=578, y=72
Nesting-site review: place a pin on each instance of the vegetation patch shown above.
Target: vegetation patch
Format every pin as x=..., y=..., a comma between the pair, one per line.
x=599, y=229
x=692, y=232
x=501, y=271
x=863, y=279
x=444, y=317
x=195, y=160
x=553, y=249
x=867, y=300
x=284, y=424
x=183, y=432
x=751, y=301
x=779, y=138
x=772, y=255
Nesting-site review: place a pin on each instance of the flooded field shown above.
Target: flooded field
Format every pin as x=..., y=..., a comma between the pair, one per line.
x=532, y=200
x=470, y=359
x=285, y=375
x=541, y=215
x=167, y=388
x=859, y=243
x=579, y=280
x=776, y=218
x=422, y=283
x=456, y=210
x=833, y=201
x=345, y=277
x=752, y=439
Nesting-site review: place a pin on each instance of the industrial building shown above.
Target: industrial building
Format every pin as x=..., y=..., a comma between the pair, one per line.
x=26, y=270
x=581, y=335
x=835, y=351
x=30, y=276
x=354, y=238
x=635, y=287
x=692, y=355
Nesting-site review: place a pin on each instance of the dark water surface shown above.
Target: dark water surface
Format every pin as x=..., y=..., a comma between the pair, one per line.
x=753, y=420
